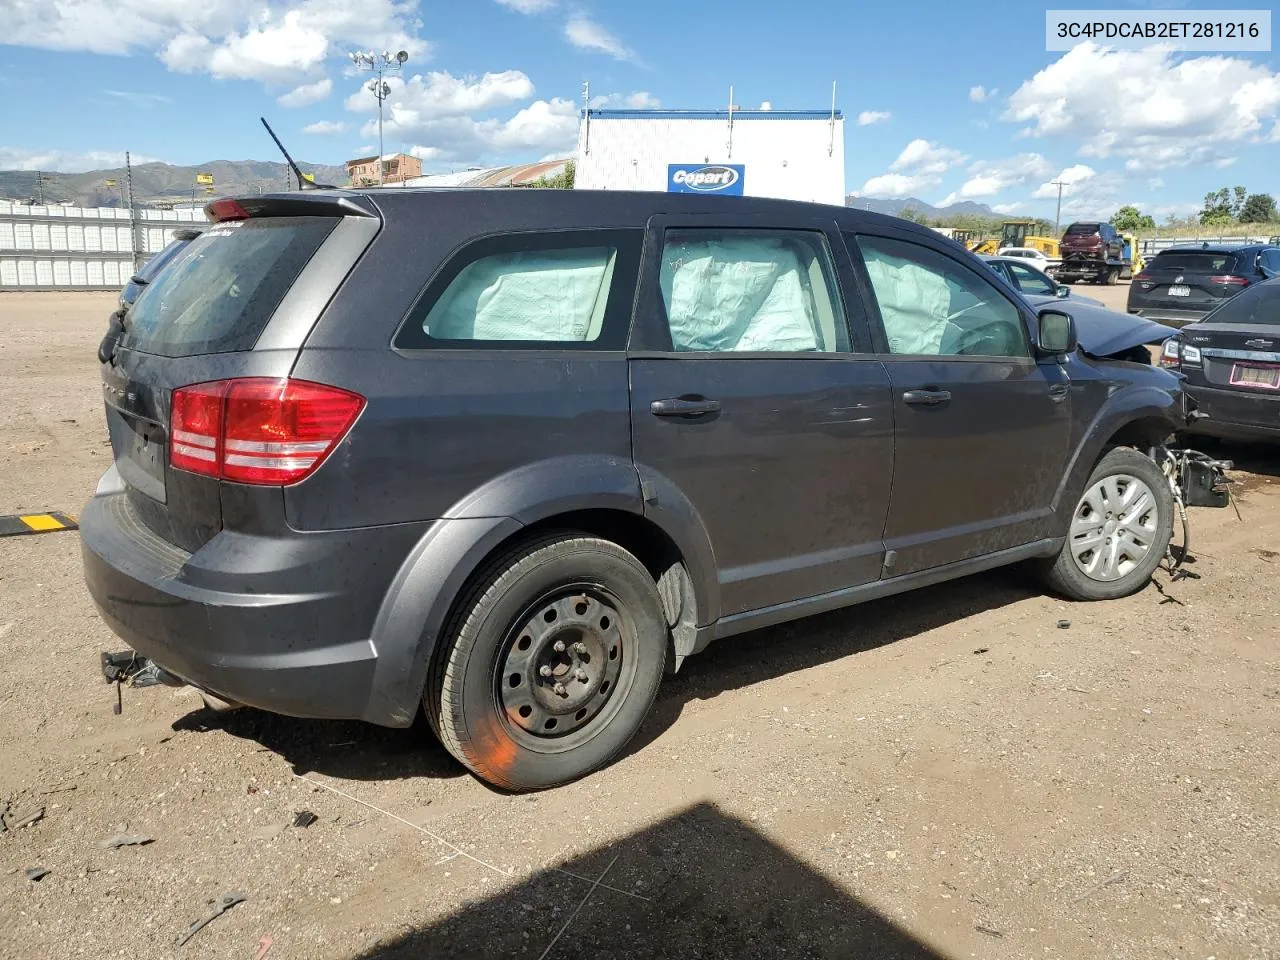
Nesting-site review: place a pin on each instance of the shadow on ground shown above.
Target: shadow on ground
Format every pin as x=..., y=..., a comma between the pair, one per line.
x=358, y=751
x=716, y=888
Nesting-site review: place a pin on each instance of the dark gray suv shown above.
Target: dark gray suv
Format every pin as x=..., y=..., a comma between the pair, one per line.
x=508, y=455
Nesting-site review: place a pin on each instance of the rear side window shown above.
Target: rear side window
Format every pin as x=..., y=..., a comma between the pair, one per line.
x=1194, y=261
x=1258, y=304
x=562, y=289
x=217, y=294
x=750, y=291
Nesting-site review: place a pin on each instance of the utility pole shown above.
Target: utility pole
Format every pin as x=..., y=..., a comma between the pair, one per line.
x=40, y=187
x=380, y=89
x=1057, y=217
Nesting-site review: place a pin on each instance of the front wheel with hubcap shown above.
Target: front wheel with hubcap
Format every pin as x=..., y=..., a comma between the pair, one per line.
x=551, y=663
x=1119, y=532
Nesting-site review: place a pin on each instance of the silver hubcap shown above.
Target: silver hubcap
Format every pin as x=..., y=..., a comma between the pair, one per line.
x=1114, y=527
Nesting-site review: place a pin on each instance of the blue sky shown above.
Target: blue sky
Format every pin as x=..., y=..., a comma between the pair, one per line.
x=943, y=100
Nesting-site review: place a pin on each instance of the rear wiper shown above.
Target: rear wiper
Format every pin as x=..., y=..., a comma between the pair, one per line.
x=140, y=281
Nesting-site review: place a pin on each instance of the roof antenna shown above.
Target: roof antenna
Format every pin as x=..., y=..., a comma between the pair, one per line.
x=303, y=182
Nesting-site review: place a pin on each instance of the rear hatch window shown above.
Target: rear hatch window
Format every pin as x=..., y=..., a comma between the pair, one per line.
x=219, y=293
x=1082, y=229
x=1194, y=261
x=1260, y=305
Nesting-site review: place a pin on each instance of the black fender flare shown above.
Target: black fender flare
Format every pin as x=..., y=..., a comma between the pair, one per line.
x=1120, y=409
x=413, y=613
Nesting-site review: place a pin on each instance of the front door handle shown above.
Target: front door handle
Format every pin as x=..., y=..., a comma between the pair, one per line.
x=684, y=407
x=1058, y=391
x=926, y=398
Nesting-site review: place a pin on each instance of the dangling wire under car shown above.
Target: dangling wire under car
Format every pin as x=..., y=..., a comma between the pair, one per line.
x=1196, y=480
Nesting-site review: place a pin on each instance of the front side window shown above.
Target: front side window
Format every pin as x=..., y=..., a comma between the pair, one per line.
x=750, y=290
x=930, y=305
x=1031, y=281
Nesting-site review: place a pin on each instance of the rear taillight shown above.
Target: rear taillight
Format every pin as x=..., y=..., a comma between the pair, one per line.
x=1142, y=276
x=1170, y=353
x=258, y=430
x=1230, y=280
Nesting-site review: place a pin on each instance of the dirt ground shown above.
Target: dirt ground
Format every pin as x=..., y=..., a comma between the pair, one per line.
x=946, y=774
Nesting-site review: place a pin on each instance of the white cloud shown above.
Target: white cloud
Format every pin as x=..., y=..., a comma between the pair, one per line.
x=62, y=161
x=990, y=177
x=585, y=34
x=981, y=94
x=1155, y=183
x=266, y=40
x=543, y=126
x=422, y=100
x=528, y=6
x=325, y=128
x=142, y=101
x=868, y=117
x=1072, y=178
x=1176, y=111
x=639, y=100
x=306, y=94
x=921, y=156
x=919, y=166
x=1007, y=208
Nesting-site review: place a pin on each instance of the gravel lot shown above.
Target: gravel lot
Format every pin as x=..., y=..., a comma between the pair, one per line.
x=943, y=774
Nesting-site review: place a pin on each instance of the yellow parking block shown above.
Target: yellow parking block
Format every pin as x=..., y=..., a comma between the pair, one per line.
x=28, y=523
x=42, y=521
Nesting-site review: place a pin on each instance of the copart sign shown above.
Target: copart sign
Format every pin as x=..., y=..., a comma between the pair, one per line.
x=722, y=178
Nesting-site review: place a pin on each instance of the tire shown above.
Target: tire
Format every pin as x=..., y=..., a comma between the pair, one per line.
x=1113, y=276
x=517, y=712
x=1125, y=569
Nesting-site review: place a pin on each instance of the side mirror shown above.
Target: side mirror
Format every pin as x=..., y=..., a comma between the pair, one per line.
x=1063, y=291
x=1057, y=334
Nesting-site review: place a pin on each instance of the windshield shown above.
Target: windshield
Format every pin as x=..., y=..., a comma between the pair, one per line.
x=217, y=295
x=1259, y=304
x=1194, y=261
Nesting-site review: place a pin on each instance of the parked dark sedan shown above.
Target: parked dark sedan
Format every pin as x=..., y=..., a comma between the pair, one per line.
x=1183, y=284
x=1231, y=361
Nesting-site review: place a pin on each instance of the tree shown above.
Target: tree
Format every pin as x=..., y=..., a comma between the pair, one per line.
x=1217, y=209
x=914, y=215
x=1259, y=208
x=1237, y=202
x=1129, y=219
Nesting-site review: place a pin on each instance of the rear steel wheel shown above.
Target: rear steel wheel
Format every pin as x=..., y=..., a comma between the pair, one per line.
x=550, y=662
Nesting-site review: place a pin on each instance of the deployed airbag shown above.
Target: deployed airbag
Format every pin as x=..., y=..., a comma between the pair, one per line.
x=732, y=294
x=552, y=296
x=914, y=303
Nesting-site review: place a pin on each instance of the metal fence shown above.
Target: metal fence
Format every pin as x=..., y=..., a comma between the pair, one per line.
x=1150, y=246
x=52, y=247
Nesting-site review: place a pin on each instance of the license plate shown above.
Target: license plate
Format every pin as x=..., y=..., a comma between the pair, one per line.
x=1179, y=291
x=1250, y=376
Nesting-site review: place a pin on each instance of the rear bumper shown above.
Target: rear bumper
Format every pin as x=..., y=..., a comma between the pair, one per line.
x=282, y=622
x=1234, y=414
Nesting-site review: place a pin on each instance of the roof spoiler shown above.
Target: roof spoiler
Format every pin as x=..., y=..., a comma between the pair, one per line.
x=319, y=204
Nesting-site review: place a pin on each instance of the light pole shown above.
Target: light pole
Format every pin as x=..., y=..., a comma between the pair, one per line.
x=1057, y=217
x=368, y=60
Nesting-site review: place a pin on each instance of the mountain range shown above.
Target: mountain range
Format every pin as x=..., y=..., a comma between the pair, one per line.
x=160, y=182
x=895, y=205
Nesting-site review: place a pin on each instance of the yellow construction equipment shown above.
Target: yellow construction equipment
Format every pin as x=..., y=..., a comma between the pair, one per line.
x=1017, y=233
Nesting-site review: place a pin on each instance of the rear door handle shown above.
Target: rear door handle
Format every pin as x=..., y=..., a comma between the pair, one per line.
x=927, y=398
x=684, y=407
